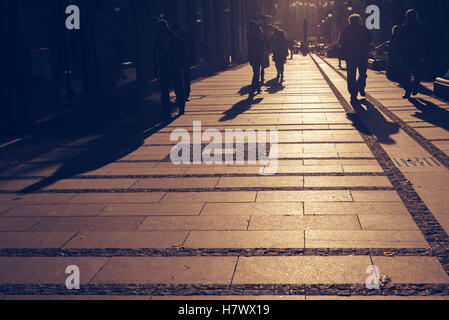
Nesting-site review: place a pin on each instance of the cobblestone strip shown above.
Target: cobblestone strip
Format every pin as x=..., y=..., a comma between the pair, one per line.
x=219, y=252
x=427, y=144
x=226, y=290
x=433, y=232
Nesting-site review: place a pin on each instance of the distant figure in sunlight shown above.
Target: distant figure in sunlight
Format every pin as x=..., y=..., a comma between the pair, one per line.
x=280, y=47
x=189, y=57
x=169, y=57
x=411, y=44
x=355, y=43
x=256, y=54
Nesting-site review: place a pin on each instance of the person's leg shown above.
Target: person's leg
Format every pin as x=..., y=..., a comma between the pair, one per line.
x=256, y=76
x=351, y=78
x=164, y=83
x=361, y=83
x=187, y=82
x=179, y=90
x=417, y=76
x=406, y=80
x=262, y=75
x=281, y=69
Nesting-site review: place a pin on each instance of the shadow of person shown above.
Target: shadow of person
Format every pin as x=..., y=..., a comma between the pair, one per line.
x=430, y=112
x=274, y=86
x=239, y=108
x=110, y=144
x=369, y=120
x=245, y=90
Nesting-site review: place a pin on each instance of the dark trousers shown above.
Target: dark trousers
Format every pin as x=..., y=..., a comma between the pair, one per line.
x=280, y=68
x=411, y=69
x=256, y=77
x=262, y=74
x=186, y=74
x=356, y=85
x=167, y=80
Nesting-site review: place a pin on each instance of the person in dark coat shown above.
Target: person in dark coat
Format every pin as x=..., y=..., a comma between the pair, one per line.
x=256, y=54
x=393, y=63
x=411, y=44
x=169, y=55
x=280, y=52
x=190, y=57
x=355, y=43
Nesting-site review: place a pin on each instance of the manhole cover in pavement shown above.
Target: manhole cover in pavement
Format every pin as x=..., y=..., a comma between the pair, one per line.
x=416, y=162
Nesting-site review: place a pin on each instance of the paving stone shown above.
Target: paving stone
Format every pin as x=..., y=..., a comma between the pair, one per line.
x=176, y=183
x=92, y=184
x=418, y=270
x=359, y=208
x=372, y=196
x=301, y=223
x=301, y=270
x=88, y=224
x=261, y=182
x=147, y=197
x=364, y=239
x=192, y=197
x=56, y=210
x=42, y=198
x=16, y=185
x=206, y=223
x=245, y=239
x=252, y=209
x=17, y=270
x=34, y=240
x=382, y=222
x=172, y=270
x=17, y=224
x=301, y=196
x=154, y=209
x=133, y=240
x=360, y=181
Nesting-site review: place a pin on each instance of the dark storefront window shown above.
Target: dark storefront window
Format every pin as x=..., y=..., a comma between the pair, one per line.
x=124, y=42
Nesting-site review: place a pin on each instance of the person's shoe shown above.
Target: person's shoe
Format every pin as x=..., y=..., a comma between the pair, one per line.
x=187, y=99
x=182, y=111
x=407, y=95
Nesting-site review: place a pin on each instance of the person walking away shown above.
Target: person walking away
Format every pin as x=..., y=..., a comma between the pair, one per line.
x=355, y=42
x=280, y=52
x=340, y=52
x=393, y=62
x=411, y=44
x=266, y=58
x=190, y=57
x=256, y=54
x=169, y=55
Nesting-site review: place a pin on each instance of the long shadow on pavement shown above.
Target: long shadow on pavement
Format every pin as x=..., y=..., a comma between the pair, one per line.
x=239, y=108
x=106, y=147
x=432, y=113
x=370, y=121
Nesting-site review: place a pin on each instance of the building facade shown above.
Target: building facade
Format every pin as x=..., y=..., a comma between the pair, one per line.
x=48, y=69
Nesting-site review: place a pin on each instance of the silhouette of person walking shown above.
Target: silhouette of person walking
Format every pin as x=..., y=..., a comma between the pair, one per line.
x=355, y=42
x=189, y=57
x=393, y=63
x=256, y=54
x=169, y=57
x=411, y=38
x=280, y=52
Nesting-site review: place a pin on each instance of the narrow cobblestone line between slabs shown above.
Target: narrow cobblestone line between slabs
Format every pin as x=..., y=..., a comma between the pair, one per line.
x=218, y=252
x=429, y=226
x=222, y=290
x=427, y=144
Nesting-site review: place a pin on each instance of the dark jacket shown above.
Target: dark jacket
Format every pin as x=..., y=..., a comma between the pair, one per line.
x=256, y=49
x=411, y=41
x=355, y=42
x=280, y=47
x=169, y=52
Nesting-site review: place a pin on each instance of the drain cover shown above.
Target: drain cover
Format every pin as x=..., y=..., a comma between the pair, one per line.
x=416, y=162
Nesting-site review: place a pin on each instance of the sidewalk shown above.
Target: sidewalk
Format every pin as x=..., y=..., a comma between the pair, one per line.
x=349, y=194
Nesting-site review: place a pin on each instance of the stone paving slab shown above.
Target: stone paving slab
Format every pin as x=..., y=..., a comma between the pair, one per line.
x=154, y=209
x=306, y=270
x=190, y=270
x=301, y=223
x=55, y=210
x=301, y=196
x=34, y=240
x=131, y=240
x=359, y=208
x=204, y=223
x=88, y=224
x=252, y=209
x=46, y=270
x=17, y=224
x=118, y=198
